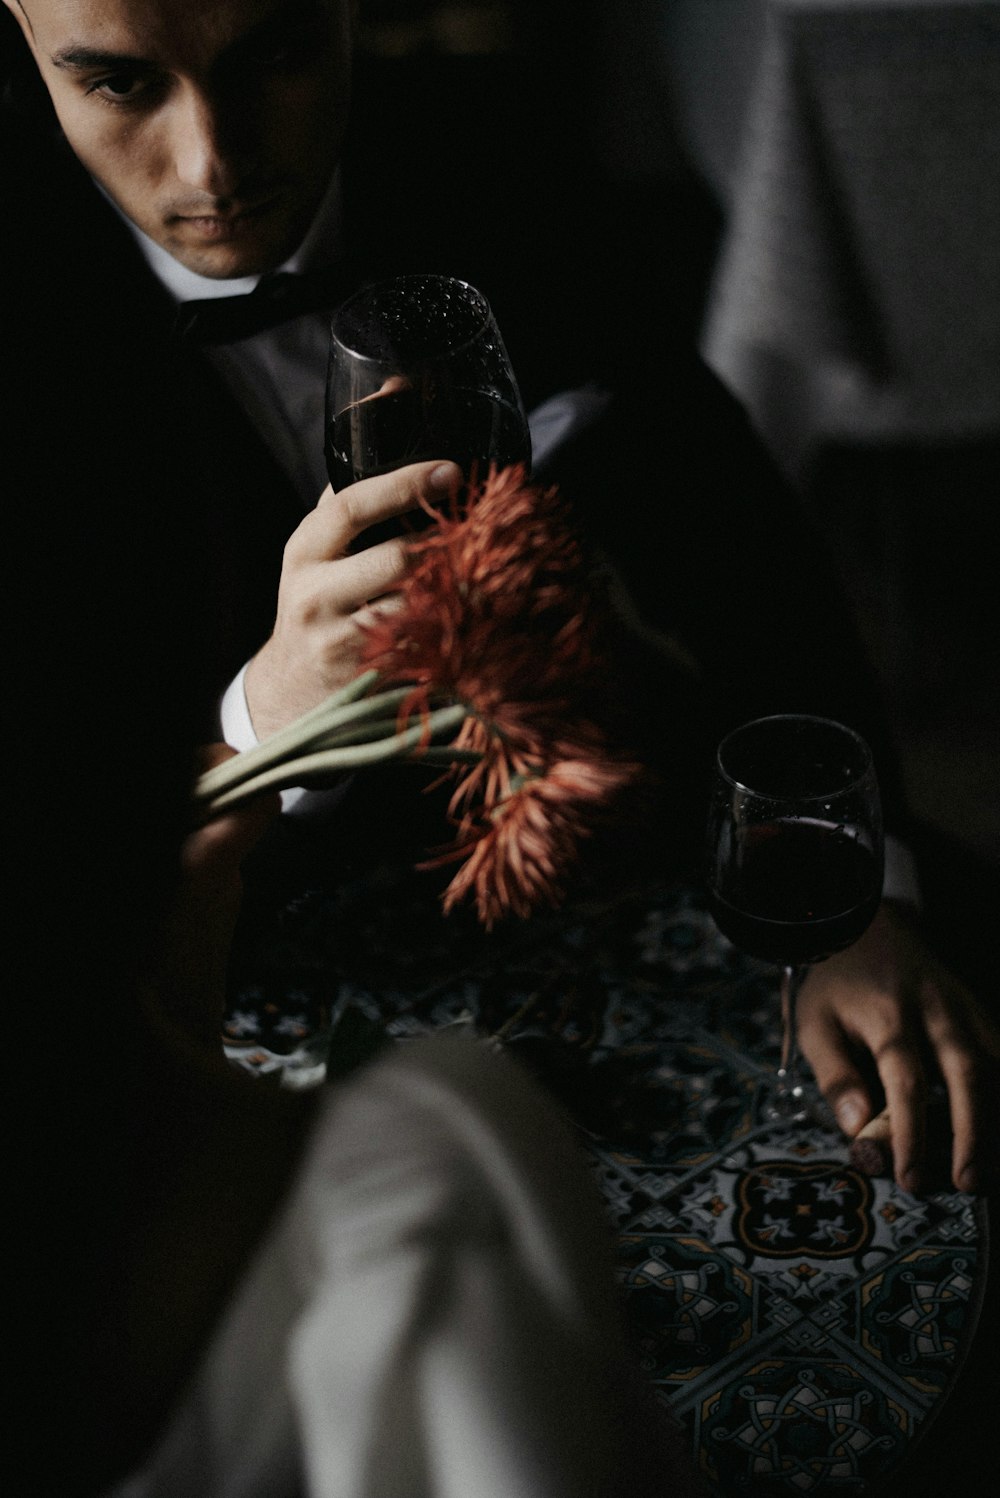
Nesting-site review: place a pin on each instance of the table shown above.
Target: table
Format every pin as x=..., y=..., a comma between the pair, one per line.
x=856, y=298
x=803, y=1321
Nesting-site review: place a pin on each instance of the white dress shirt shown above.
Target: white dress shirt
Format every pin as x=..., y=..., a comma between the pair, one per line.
x=278, y=376
x=279, y=379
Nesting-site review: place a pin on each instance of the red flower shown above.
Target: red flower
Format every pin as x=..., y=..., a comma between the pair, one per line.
x=498, y=609
x=499, y=612
x=517, y=850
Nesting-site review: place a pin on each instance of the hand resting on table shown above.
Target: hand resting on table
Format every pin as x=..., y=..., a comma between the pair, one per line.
x=887, y=1017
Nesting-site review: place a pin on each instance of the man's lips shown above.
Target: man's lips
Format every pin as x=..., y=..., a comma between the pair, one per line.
x=229, y=225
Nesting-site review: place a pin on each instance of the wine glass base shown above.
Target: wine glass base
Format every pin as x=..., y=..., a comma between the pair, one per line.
x=789, y=1102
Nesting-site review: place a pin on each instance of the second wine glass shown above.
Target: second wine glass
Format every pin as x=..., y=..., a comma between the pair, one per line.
x=418, y=370
x=795, y=856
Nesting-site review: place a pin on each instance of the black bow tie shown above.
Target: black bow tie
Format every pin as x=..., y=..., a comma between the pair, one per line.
x=276, y=298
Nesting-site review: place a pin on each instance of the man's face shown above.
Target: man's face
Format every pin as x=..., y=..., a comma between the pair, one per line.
x=214, y=124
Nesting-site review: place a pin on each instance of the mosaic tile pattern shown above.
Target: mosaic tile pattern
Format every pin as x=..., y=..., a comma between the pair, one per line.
x=801, y=1319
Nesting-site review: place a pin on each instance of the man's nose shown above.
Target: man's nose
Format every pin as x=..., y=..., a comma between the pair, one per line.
x=211, y=147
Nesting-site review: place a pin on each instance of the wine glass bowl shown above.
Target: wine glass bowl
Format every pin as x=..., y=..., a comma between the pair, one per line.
x=795, y=854
x=418, y=370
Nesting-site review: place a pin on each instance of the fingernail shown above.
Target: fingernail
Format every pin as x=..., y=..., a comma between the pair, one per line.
x=850, y=1113
x=909, y=1179
x=967, y=1178
x=444, y=477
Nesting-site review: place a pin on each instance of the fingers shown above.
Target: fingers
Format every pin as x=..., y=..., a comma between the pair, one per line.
x=379, y=608
x=833, y=1031
x=208, y=756
x=904, y=1082
x=828, y=1051
x=888, y=1004
x=187, y=966
x=857, y=1010
x=326, y=594
x=339, y=518
x=223, y=843
x=218, y=848
x=966, y=1048
x=366, y=576
x=857, y=1018
x=871, y=1150
x=327, y=589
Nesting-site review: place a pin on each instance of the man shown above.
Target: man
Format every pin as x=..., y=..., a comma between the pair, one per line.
x=219, y=134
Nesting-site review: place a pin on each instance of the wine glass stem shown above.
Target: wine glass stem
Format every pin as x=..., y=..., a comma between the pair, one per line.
x=787, y=1102
x=789, y=1074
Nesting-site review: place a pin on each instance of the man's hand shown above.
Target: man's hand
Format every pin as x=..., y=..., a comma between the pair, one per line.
x=186, y=972
x=327, y=591
x=887, y=1006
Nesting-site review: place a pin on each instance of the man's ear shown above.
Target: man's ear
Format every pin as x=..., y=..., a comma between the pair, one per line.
x=22, y=87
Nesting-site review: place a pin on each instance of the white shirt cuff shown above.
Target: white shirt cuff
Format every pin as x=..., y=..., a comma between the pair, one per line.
x=234, y=715
x=238, y=732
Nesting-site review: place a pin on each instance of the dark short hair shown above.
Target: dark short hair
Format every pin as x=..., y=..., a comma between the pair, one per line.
x=22, y=91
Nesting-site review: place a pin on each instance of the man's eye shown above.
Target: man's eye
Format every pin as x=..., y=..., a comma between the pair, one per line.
x=120, y=88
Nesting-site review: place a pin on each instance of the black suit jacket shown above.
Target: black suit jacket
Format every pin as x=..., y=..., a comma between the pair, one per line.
x=179, y=513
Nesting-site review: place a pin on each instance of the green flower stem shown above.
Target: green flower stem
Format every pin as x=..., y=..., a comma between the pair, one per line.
x=299, y=771
x=308, y=732
x=446, y=754
x=359, y=733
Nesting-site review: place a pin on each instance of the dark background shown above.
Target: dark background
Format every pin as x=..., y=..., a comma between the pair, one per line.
x=582, y=92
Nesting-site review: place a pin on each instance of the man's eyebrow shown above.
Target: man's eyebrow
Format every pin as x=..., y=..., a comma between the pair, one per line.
x=79, y=59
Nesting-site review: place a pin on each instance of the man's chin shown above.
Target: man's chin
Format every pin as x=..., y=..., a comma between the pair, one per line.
x=226, y=262
x=216, y=266
x=228, y=251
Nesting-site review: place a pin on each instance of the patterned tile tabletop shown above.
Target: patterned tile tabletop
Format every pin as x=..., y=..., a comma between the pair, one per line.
x=802, y=1319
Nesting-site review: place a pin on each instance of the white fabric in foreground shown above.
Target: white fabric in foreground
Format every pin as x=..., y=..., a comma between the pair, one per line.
x=434, y=1316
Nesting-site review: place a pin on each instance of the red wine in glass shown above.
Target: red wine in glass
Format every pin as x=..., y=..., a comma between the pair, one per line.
x=418, y=371
x=795, y=855
x=804, y=888
x=471, y=428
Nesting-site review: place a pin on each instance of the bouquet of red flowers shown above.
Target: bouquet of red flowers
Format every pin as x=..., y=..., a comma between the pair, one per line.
x=491, y=667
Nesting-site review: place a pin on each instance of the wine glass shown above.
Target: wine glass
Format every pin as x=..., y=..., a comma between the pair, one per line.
x=418, y=370
x=795, y=856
